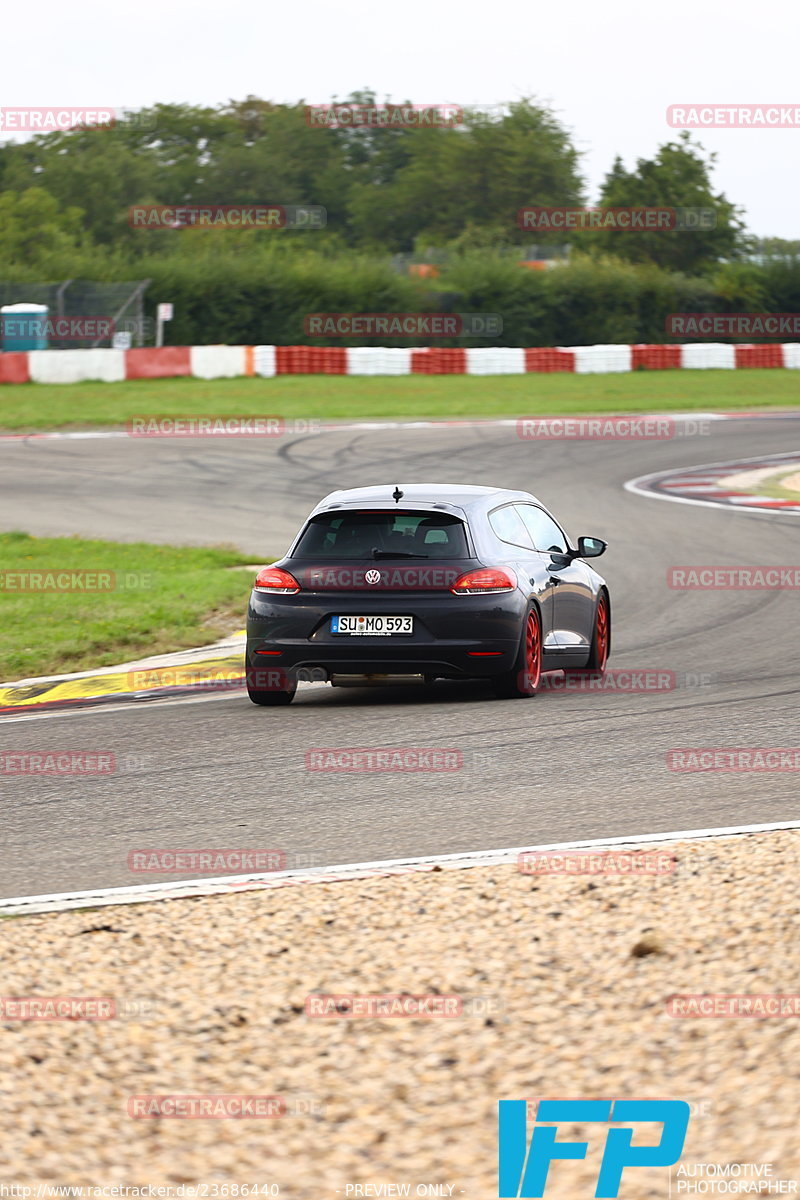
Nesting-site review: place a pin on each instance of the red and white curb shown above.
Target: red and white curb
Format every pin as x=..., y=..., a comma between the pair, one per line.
x=220, y=885
x=705, y=485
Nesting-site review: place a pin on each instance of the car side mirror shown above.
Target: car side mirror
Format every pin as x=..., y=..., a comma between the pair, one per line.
x=591, y=547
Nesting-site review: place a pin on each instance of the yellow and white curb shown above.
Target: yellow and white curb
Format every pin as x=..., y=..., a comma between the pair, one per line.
x=205, y=670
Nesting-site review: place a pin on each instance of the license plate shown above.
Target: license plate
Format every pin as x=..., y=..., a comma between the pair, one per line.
x=372, y=626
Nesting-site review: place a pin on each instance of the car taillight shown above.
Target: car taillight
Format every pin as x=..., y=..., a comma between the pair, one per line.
x=487, y=579
x=276, y=581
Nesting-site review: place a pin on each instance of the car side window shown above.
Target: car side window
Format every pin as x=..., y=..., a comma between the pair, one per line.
x=545, y=533
x=509, y=527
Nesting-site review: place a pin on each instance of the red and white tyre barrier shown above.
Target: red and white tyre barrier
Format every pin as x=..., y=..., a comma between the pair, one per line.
x=227, y=362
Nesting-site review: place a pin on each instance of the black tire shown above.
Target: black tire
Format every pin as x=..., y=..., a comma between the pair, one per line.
x=271, y=697
x=523, y=680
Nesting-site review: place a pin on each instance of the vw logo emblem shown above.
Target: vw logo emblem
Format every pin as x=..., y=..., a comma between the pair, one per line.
x=373, y=576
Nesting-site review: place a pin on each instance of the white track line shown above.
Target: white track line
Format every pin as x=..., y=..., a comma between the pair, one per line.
x=172, y=890
x=355, y=427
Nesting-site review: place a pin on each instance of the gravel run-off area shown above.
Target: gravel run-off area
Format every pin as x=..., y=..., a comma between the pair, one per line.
x=562, y=981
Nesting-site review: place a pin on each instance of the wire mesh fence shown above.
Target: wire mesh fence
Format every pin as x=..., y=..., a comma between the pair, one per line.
x=81, y=313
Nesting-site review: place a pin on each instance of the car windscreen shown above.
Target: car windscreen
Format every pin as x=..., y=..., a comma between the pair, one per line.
x=365, y=534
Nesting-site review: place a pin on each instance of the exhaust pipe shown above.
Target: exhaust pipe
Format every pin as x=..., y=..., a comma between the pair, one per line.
x=375, y=680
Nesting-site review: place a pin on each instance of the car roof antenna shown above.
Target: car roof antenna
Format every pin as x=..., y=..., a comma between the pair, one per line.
x=397, y=495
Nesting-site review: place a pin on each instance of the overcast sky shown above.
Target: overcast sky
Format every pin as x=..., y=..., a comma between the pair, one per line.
x=609, y=69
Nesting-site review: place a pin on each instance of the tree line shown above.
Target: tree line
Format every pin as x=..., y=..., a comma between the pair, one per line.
x=389, y=189
x=449, y=195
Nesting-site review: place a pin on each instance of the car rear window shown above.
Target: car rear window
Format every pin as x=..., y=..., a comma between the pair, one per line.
x=360, y=534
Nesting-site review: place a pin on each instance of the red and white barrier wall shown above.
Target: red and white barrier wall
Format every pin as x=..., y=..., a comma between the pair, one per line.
x=222, y=362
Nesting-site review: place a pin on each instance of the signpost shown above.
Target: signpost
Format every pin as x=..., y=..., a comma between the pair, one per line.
x=163, y=313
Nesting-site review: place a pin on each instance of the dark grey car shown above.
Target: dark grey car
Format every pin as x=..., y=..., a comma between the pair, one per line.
x=389, y=583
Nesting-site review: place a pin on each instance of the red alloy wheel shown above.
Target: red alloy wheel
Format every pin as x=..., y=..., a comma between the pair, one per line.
x=601, y=633
x=533, y=652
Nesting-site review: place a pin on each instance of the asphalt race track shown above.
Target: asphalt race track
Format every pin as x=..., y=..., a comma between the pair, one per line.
x=219, y=772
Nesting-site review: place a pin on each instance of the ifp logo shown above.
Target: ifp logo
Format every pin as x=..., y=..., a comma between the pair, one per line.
x=522, y=1171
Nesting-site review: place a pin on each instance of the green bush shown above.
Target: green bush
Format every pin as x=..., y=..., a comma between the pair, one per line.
x=228, y=290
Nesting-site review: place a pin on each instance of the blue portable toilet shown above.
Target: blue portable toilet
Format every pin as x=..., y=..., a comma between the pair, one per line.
x=24, y=326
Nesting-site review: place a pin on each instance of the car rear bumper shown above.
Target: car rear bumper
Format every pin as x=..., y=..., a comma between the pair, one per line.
x=454, y=662
x=454, y=637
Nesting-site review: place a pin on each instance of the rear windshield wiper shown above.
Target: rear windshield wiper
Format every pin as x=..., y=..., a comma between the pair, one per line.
x=376, y=553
